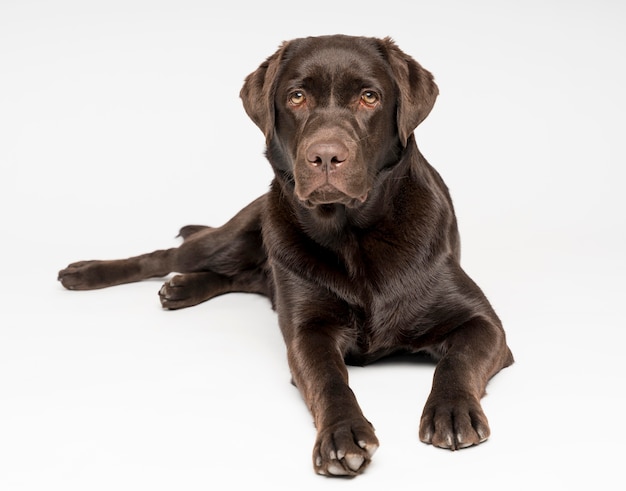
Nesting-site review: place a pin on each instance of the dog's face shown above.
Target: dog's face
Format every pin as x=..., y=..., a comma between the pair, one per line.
x=335, y=122
x=335, y=111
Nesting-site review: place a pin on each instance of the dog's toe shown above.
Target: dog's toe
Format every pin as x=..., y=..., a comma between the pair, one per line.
x=345, y=449
x=453, y=425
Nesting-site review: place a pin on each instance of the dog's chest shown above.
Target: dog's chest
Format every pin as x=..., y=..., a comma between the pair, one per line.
x=391, y=307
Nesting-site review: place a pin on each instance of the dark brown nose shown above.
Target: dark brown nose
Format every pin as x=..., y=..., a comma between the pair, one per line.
x=327, y=155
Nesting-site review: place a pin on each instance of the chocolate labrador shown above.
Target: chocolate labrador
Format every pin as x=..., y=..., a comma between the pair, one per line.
x=356, y=245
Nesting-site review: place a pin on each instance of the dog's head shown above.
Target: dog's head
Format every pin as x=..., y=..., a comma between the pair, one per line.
x=335, y=111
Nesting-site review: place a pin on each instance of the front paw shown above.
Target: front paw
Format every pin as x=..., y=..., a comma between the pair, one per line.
x=344, y=449
x=453, y=423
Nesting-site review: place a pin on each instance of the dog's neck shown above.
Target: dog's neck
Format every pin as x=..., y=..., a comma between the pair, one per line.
x=331, y=225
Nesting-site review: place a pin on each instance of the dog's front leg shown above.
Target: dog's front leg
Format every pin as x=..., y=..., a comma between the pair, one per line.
x=472, y=354
x=345, y=439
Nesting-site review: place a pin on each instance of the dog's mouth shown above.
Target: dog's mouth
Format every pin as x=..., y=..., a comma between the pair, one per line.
x=330, y=195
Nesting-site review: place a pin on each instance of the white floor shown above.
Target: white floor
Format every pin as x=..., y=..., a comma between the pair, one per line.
x=120, y=122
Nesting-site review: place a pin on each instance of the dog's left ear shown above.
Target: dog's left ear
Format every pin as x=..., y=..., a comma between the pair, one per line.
x=417, y=87
x=258, y=90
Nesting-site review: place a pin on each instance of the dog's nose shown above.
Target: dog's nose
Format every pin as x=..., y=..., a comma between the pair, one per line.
x=327, y=155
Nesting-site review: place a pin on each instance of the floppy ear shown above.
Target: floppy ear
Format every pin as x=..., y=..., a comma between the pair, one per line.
x=258, y=90
x=417, y=87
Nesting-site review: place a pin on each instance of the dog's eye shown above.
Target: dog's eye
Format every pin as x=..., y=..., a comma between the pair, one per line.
x=297, y=98
x=369, y=98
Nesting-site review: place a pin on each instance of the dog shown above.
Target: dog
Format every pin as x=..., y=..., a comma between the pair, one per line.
x=355, y=244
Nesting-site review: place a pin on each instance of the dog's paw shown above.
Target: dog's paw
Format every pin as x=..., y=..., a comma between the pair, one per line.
x=344, y=449
x=185, y=290
x=175, y=293
x=453, y=424
x=84, y=275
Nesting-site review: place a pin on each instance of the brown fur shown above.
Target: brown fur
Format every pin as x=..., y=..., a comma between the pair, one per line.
x=356, y=245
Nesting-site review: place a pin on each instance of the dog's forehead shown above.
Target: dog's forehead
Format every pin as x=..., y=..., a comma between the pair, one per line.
x=324, y=60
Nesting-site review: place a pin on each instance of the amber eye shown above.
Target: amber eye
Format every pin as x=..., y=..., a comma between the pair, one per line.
x=369, y=98
x=297, y=98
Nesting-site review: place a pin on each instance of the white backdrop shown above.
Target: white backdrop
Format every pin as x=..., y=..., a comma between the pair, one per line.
x=120, y=122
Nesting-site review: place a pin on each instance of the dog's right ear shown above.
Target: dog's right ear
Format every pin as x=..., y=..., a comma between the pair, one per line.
x=258, y=91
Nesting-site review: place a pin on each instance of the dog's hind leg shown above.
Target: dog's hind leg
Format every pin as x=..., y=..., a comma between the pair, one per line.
x=214, y=261
x=219, y=260
x=189, y=230
x=186, y=290
x=90, y=275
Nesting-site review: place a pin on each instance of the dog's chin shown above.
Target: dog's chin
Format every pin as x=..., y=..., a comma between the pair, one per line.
x=327, y=197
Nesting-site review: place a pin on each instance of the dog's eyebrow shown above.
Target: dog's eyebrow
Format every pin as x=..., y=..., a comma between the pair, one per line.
x=315, y=84
x=359, y=83
x=344, y=82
